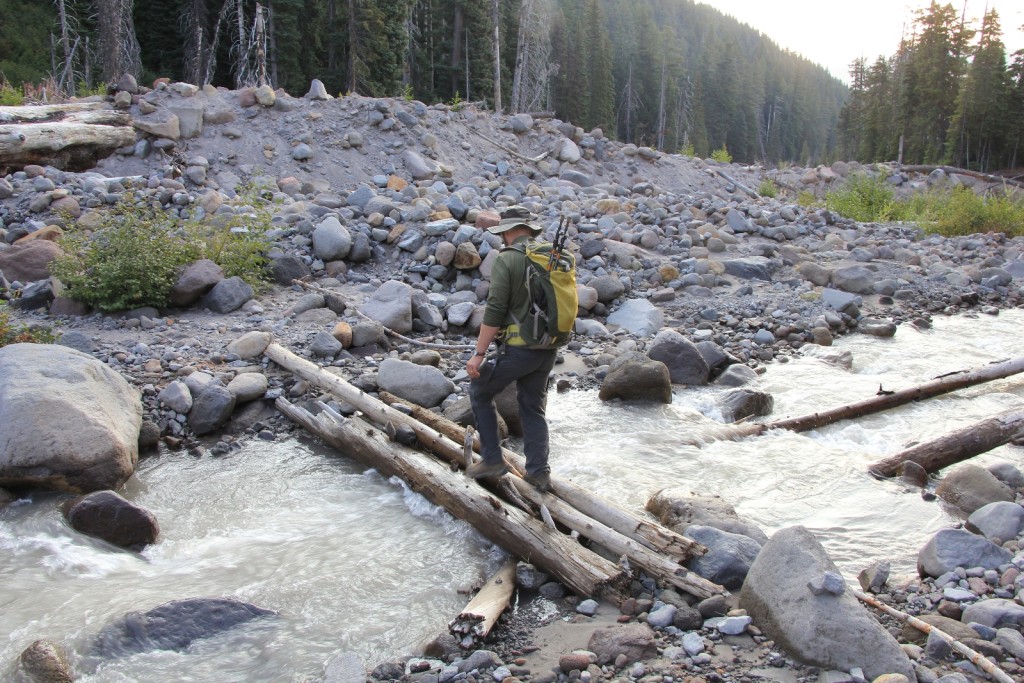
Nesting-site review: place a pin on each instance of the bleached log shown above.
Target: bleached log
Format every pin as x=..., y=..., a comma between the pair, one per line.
x=644, y=531
x=884, y=400
x=580, y=569
x=65, y=138
x=958, y=446
x=641, y=532
x=482, y=612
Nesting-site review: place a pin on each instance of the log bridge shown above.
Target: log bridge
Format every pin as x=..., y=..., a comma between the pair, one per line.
x=588, y=543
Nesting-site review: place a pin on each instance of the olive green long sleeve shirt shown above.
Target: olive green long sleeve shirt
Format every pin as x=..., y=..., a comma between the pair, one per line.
x=508, y=295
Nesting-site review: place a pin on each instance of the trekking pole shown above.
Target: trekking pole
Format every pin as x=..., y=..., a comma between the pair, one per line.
x=556, y=250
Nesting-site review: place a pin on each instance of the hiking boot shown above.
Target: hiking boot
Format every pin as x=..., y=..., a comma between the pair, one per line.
x=541, y=482
x=486, y=470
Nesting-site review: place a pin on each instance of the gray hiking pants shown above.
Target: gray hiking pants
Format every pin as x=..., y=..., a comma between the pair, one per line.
x=529, y=369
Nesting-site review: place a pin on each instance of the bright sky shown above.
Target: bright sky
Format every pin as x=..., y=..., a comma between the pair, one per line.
x=833, y=33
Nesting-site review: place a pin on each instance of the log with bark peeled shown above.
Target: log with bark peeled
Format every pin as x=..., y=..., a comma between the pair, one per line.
x=70, y=137
x=936, y=387
x=481, y=614
x=580, y=569
x=962, y=444
x=644, y=531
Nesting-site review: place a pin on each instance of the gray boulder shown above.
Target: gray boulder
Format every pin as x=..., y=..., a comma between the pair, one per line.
x=736, y=375
x=248, y=386
x=419, y=167
x=826, y=630
x=250, y=344
x=854, y=279
x=1008, y=474
x=228, y=295
x=679, y=508
x=46, y=662
x=608, y=287
x=1001, y=520
x=685, y=363
x=737, y=404
x=325, y=345
x=639, y=317
x=391, y=306
x=997, y=613
x=635, y=377
x=106, y=515
x=424, y=385
x=29, y=261
x=195, y=280
x=952, y=548
x=67, y=421
x=331, y=240
x=635, y=642
x=750, y=268
x=970, y=487
x=288, y=267
x=211, y=409
x=176, y=396
x=729, y=556
x=173, y=625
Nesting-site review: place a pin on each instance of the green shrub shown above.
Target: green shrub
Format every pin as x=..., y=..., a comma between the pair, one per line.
x=806, y=199
x=768, y=188
x=865, y=198
x=687, y=150
x=961, y=212
x=722, y=155
x=134, y=257
x=10, y=96
x=131, y=260
x=11, y=333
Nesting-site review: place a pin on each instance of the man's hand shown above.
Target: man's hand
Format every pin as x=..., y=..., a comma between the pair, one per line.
x=473, y=366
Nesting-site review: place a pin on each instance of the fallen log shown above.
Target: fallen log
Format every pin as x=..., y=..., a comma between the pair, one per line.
x=509, y=150
x=962, y=444
x=631, y=525
x=974, y=656
x=481, y=614
x=735, y=182
x=580, y=569
x=639, y=532
x=963, y=171
x=885, y=400
x=70, y=137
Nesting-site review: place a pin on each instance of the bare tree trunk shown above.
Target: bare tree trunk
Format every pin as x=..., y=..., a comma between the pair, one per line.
x=353, y=47
x=456, y=56
x=496, y=46
x=661, y=105
x=332, y=51
x=956, y=447
x=533, y=52
x=272, y=44
x=119, y=49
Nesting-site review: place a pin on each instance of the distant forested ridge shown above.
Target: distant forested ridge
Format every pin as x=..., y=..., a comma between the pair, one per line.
x=671, y=74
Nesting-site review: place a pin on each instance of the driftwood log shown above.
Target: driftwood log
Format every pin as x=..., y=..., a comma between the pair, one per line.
x=631, y=543
x=527, y=537
x=885, y=400
x=481, y=614
x=66, y=136
x=972, y=655
x=963, y=171
x=952, y=448
x=644, y=531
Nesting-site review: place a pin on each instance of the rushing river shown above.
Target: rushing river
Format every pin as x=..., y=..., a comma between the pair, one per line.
x=355, y=563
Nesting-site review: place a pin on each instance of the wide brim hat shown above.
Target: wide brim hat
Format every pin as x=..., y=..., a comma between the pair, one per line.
x=513, y=217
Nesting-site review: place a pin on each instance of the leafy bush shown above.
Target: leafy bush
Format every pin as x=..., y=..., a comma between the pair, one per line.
x=10, y=96
x=134, y=257
x=864, y=198
x=11, y=333
x=768, y=188
x=687, y=150
x=131, y=260
x=961, y=212
x=806, y=198
x=722, y=155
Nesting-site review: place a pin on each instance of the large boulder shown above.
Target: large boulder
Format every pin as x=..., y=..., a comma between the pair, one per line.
x=106, y=515
x=970, y=488
x=67, y=421
x=195, y=280
x=391, y=306
x=1002, y=520
x=728, y=558
x=228, y=295
x=952, y=548
x=211, y=409
x=634, y=641
x=638, y=317
x=331, y=240
x=29, y=261
x=997, y=613
x=822, y=628
x=424, y=385
x=635, y=377
x=173, y=625
x=685, y=363
x=739, y=404
x=678, y=509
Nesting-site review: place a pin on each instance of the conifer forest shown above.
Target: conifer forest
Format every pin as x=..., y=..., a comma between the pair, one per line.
x=671, y=74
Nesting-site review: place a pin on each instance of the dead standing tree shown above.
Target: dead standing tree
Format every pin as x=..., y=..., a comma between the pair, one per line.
x=533, y=58
x=119, y=51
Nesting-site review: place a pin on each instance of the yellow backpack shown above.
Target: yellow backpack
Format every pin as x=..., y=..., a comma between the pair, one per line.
x=551, y=283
